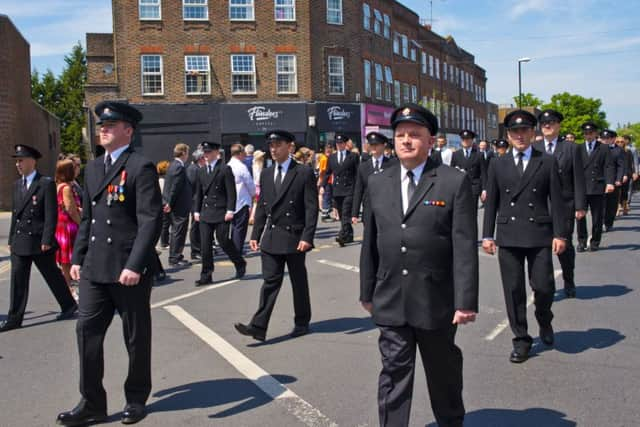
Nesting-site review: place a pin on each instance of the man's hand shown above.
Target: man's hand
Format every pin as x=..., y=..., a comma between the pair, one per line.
x=303, y=246
x=45, y=248
x=367, y=306
x=75, y=272
x=461, y=317
x=354, y=220
x=489, y=246
x=228, y=217
x=253, y=244
x=580, y=213
x=196, y=217
x=618, y=184
x=483, y=196
x=129, y=278
x=558, y=246
x=625, y=179
x=166, y=208
x=634, y=176
x=609, y=188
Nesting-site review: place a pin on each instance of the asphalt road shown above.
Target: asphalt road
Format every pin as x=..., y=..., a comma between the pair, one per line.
x=205, y=374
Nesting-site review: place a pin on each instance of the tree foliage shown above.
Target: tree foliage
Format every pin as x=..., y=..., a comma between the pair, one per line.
x=576, y=110
x=632, y=130
x=528, y=100
x=64, y=97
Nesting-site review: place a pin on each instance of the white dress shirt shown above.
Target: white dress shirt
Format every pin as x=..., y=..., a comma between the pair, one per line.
x=417, y=173
x=554, y=144
x=245, y=188
x=30, y=178
x=525, y=158
x=285, y=168
x=115, y=154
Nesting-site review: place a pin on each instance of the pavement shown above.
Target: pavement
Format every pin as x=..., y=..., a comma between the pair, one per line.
x=205, y=373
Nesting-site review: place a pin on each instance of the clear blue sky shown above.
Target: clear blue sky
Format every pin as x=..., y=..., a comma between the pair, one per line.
x=588, y=47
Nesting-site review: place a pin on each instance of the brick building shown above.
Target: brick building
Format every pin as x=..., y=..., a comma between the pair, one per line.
x=21, y=119
x=228, y=70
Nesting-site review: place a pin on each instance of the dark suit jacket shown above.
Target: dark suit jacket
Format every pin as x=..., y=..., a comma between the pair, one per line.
x=473, y=166
x=283, y=220
x=215, y=193
x=629, y=166
x=520, y=205
x=436, y=156
x=344, y=175
x=418, y=268
x=571, y=172
x=599, y=169
x=122, y=235
x=34, y=217
x=177, y=191
x=359, y=193
x=617, y=158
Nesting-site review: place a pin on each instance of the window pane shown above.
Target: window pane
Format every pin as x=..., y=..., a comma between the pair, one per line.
x=285, y=10
x=241, y=9
x=195, y=9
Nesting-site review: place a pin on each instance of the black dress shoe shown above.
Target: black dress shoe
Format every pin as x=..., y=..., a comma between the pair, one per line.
x=241, y=270
x=519, y=355
x=204, y=281
x=581, y=247
x=594, y=247
x=180, y=263
x=570, y=292
x=133, y=413
x=81, y=415
x=299, y=331
x=68, y=313
x=546, y=335
x=250, y=331
x=8, y=325
x=161, y=276
x=195, y=257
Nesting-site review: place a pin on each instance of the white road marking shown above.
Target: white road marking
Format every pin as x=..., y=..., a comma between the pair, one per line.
x=505, y=323
x=193, y=293
x=293, y=403
x=340, y=265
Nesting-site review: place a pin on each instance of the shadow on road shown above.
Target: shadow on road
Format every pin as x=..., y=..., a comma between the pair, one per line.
x=628, y=246
x=209, y=394
x=596, y=291
x=532, y=417
x=574, y=342
x=348, y=325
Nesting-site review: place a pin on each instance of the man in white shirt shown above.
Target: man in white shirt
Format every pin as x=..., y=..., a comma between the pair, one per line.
x=245, y=191
x=445, y=152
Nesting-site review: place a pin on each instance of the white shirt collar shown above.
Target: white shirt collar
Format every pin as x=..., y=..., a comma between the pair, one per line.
x=115, y=154
x=527, y=154
x=180, y=160
x=417, y=171
x=285, y=165
x=30, y=177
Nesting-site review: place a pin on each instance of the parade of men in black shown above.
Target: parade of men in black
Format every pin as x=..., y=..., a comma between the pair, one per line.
x=178, y=197
x=32, y=240
x=471, y=161
x=612, y=199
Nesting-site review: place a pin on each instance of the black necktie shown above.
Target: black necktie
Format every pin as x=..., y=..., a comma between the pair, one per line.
x=411, y=188
x=107, y=164
x=520, y=164
x=466, y=153
x=590, y=147
x=24, y=185
x=377, y=165
x=341, y=158
x=550, y=148
x=209, y=168
x=278, y=183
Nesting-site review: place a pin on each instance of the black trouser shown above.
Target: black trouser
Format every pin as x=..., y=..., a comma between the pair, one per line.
x=611, y=201
x=541, y=279
x=273, y=274
x=239, y=227
x=179, y=228
x=194, y=236
x=164, y=233
x=221, y=231
x=20, y=275
x=442, y=362
x=343, y=204
x=595, y=204
x=624, y=191
x=98, y=303
x=568, y=257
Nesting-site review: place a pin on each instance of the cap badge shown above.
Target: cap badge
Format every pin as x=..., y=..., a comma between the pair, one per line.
x=106, y=111
x=406, y=111
x=519, y=120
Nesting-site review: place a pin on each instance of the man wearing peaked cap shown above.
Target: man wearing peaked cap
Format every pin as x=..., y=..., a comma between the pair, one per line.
x=414, y=280
x=524, y=199
x=121, y=222
x=571, y=172
x=32, y=239
x=501, y=147
x=618, y=159
x=469, y=160
x=375, y=164
x=599, y=176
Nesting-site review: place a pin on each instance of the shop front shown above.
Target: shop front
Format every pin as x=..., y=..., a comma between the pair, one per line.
x=377, y=118
x=338, y=118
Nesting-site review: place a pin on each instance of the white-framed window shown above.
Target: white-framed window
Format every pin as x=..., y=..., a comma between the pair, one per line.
x=152, y=78
x=241, y=10
x=387, y=26
x=377, y=23
x=379, y=81
x=285, y=10
x=286, y=74
x=423, y=62
x=406, y=92
x=414, y=93
x=471, y=83
x=197, y=77
x=336, y=75
x=367, y=78
x=195, y=10
x=334, y=12
x=388, y=83
x=413, y=54
x=243, y=74
x=450, y=72
x=431, y=65
x=438, y=68
x=149, y=10
x=396, y=44
x=405, y=45
x=444, y=71
x=366, y=16
x=396, y=93
x=446, y=116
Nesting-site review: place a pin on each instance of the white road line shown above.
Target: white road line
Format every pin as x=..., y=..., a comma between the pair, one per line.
x=193, y=293
x=293, y=403
x=505, y=323
x=340, y=265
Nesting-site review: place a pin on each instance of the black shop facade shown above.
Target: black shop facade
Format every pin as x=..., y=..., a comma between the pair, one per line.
x=337, y=118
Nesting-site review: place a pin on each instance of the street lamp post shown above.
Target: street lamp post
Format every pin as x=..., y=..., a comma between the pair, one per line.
x=520, y=61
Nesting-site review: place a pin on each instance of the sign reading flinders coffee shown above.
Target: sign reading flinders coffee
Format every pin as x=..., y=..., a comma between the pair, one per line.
x=338, y=118
x=247, y=122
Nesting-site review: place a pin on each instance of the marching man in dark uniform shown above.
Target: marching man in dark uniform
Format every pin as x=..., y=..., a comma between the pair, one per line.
x=376, y=163
x=343, y=165
x=114, y=259
x=419, y=271
x=285, y=222
x=521, y=185
x=214, y=207
x=468, y=159
x=32, y=239
x=599, y=176
x=612, y=199
x=571, y=173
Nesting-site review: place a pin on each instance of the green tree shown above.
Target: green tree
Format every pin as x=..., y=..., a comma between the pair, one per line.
x=577, y=110
x=528, y=100
x=633, y=130
x=46, y=91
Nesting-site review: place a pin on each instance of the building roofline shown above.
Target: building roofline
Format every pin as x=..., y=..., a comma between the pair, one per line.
x=8, y=19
